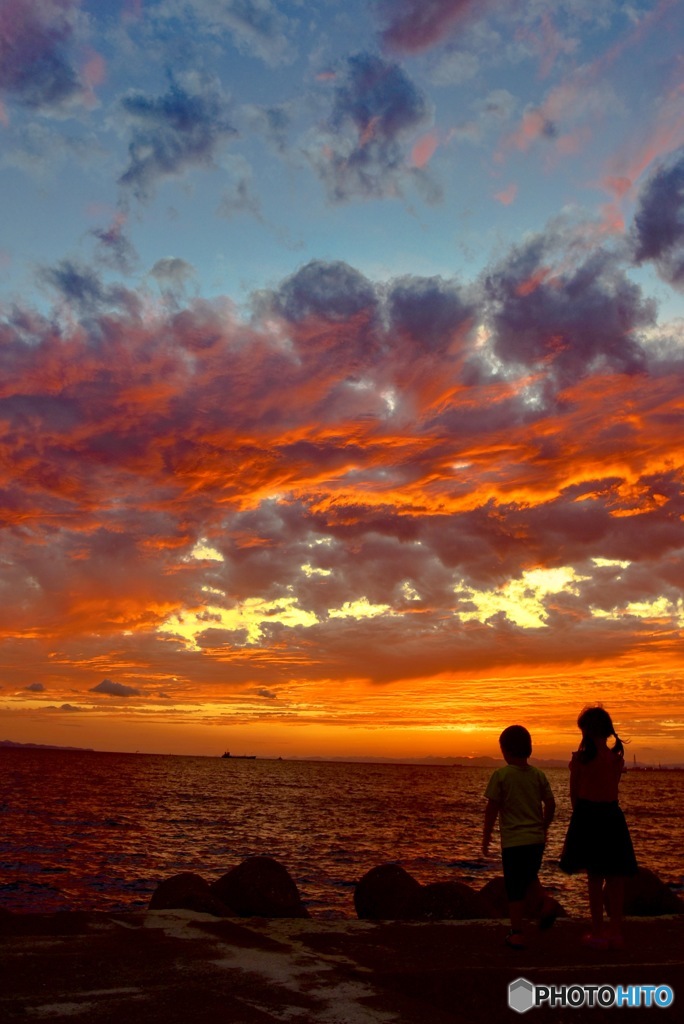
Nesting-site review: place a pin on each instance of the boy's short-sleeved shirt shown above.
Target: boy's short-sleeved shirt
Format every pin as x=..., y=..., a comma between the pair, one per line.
x=519, y=792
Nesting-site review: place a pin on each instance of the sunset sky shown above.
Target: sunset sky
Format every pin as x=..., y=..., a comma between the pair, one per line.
x=341, y=374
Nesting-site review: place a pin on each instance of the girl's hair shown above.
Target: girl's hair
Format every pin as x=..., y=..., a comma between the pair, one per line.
x=595, y=721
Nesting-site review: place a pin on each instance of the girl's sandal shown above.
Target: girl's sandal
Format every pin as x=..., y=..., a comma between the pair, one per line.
x=548, y=915
x=595, y=941
x=514, y=940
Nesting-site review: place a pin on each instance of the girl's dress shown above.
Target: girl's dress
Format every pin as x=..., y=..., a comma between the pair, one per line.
x=597, y=840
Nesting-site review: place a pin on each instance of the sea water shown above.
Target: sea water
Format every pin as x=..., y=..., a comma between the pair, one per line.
x=83, y=830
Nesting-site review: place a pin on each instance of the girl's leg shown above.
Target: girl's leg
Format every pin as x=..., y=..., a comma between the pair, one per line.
x=535, y=894
x=595, y=886
x=615, y=891
x=537, y=897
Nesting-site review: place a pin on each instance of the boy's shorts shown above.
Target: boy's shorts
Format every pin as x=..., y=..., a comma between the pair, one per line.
x=520, y=867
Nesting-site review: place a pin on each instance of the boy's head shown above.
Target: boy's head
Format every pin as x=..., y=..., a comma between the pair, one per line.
x=516, y=741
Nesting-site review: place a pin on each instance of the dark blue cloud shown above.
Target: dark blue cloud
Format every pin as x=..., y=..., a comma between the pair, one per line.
x=173, y=133
x=115, y=689
x=333, y=316
x=172, y=272
x=378, y=98
x=429, y=311
x=330, y=291
x=114, y=249
x=658, y=229
x=376, y=111
x=35, y=61
x=84, y=291
x=568, y=323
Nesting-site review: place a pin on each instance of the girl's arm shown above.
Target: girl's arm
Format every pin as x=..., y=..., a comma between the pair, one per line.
x=574, y=779
x=490, y=815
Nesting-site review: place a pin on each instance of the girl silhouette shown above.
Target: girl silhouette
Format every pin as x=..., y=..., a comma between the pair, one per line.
x=598, y=839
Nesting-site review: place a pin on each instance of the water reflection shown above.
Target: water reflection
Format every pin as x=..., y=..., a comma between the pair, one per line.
x=99, y=831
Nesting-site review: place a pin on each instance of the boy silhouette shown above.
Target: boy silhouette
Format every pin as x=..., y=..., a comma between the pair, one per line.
x=520, y=796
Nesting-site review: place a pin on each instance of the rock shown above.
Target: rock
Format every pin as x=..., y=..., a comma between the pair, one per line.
x=260, y=887
x=646, y=895
x=188, y=891
x=453, y=901
x=494, y=893
x=388, y=893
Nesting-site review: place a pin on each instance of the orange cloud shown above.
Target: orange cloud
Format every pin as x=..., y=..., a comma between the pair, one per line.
x=581, y=94
x=424, y=149
x=344, y=493
x=414, y=25
x=94, y=70
x=369, y=131
x=507, y=195
x=532, y=283
x=532, y=126
x=551, y=45
x=666, y=135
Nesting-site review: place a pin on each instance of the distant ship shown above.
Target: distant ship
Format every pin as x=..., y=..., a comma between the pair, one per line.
x=239, y=757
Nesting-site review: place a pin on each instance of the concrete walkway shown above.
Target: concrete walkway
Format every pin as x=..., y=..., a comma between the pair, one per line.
x=180, y=967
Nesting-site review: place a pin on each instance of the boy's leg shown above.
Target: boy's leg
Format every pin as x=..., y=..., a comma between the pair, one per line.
x=515, y=894
x=521, y=865
x=516, y=909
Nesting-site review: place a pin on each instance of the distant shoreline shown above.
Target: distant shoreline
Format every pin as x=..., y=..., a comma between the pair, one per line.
x=483, y=761
x=49, y=746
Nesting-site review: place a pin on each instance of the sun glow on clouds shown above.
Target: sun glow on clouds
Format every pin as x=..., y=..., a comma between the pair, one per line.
x=407, y=452
x=204, y=552
x=361, y=609
x=660, y=609
x=250, y=616
x=348, y=525
x=247, y=619
x=521, y=601
x=310, y=570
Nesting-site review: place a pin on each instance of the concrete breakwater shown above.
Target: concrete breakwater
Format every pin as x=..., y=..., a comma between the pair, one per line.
x=263, y=887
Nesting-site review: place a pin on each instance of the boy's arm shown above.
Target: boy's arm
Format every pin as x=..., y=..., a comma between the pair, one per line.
x=490, y=815
x=549, y=805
